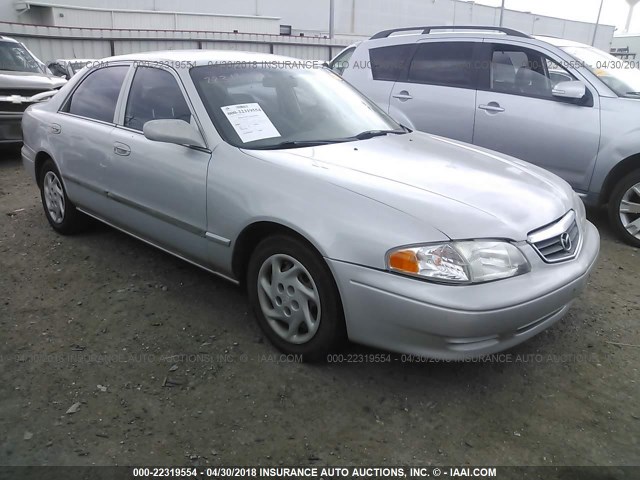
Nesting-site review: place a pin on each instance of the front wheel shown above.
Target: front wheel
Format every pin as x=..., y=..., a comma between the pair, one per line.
x=295, y=299
x=624, y=209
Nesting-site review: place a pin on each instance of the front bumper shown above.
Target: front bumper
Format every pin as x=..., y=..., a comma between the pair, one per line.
x=411, y=316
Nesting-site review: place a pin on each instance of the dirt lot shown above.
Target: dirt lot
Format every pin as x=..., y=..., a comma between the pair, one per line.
x=165, y=366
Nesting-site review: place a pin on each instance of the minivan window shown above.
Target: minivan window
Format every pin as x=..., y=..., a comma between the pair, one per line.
x=154, y=95
x=97, y=95
x=443, y=63
x=389, y=63
x=523, y=71
x=341, y=62
x=279, y=105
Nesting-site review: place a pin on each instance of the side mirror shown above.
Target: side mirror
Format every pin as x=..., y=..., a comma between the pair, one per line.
x=573, y=90
x=173, y=131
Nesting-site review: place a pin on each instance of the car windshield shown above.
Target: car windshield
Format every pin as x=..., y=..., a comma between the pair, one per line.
x=15, y=58
x=283, y=105
x=614, y=72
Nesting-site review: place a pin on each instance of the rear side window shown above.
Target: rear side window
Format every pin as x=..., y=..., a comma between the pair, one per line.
x=443, y=63
x=97, y=95
x=154, y=95
x=389, y=63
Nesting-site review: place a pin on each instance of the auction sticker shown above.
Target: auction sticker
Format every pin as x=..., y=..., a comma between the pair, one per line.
x=250, y=122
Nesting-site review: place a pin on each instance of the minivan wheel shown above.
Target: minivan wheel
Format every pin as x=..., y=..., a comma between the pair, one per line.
x=624, y=209
x=59, y=210
x=295, y=299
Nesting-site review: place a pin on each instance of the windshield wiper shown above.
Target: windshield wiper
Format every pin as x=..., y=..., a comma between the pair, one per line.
x=313, y=143
x=296, y=144
x=378, y=133
x=632, y=94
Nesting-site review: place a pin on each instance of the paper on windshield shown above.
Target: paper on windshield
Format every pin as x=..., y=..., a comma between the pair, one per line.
x=250, y=122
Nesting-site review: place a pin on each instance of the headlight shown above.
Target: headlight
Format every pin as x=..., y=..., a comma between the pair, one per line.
x=460, y=262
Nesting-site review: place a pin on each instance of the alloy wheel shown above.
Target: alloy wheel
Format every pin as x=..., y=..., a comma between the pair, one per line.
x=630, y=210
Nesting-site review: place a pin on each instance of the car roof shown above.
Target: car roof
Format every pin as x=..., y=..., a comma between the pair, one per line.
x=481, y=31
x=201, y=57
x=561, y=42
x=8, y=39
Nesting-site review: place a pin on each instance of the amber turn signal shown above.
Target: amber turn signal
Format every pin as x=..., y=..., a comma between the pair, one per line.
x=404, y=261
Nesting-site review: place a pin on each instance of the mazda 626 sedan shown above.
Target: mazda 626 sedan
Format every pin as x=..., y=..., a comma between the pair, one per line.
x=340, y=222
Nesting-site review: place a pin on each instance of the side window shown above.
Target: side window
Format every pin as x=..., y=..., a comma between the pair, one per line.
x=389, y=63
x=97, y=95
x=557, y=73
x=154, y=95
x=341, y=62
x=522, y=71
x=444, y=63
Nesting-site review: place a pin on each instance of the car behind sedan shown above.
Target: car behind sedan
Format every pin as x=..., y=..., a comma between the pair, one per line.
x=340, y=222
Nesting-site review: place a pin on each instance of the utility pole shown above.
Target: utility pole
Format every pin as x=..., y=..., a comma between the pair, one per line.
x=595, y=30
x=502, y=14
x=332, y=7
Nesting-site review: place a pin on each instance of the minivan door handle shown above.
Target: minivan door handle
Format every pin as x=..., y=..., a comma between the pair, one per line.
x=493, y=107
x=121, y=149
x=403, y=96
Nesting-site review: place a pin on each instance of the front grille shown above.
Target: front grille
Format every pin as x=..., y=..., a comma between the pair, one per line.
x=9, y=107
x=23, y=92
x=559, y=241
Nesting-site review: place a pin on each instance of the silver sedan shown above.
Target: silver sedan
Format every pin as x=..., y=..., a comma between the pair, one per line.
x=341, y=223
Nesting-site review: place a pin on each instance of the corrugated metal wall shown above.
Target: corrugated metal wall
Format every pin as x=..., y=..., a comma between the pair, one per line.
x=52, y=48
x=49, y=43
x=150, y=20
x=352, y=18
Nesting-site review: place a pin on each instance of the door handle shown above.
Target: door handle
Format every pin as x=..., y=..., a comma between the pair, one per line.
x=492, y=107
x=403, y=96
x=121, y=149
x=55, y=128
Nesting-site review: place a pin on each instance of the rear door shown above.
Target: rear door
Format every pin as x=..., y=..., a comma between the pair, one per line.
x=517, y=114
x=80, y=136
x=437, y=93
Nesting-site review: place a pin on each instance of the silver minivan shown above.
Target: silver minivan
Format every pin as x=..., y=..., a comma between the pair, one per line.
x=565, y=106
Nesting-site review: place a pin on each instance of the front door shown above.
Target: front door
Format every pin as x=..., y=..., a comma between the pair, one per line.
x=159, y=189
x=517, y=114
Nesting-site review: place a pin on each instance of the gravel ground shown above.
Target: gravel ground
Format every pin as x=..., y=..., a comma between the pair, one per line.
x=163, y=364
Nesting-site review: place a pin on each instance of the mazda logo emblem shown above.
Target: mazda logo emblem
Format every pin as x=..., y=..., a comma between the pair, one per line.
x=565, y=241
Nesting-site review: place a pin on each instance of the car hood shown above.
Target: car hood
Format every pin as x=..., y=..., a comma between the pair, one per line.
x=462, y=190
x=29, y=80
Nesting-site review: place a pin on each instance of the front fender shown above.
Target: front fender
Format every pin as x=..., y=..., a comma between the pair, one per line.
x=294, y=192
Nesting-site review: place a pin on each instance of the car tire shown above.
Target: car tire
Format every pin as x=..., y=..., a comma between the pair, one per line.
x=626, y=196
x=295, y=299
x=59, y=210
